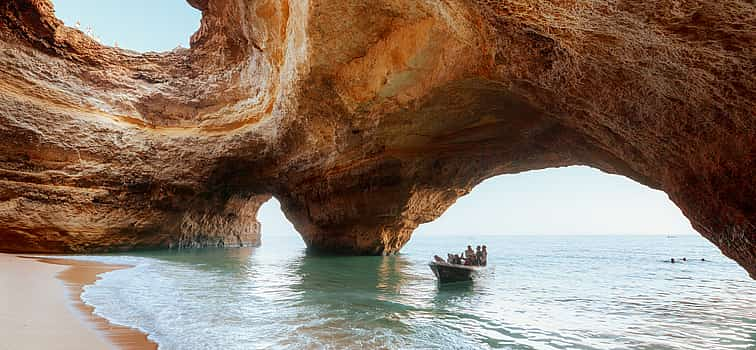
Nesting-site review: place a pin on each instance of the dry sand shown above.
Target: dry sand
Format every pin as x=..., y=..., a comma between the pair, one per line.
x=41, y=308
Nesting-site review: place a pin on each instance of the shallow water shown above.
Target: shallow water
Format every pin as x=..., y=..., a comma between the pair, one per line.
x=545, y=292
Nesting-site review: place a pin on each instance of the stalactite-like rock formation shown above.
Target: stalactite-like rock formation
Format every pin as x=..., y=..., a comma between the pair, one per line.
x=366, y=119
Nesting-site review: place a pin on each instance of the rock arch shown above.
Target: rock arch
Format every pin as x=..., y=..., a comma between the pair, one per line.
x=366, y=119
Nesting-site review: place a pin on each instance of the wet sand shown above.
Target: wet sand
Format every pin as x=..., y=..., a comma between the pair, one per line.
x=37, y=311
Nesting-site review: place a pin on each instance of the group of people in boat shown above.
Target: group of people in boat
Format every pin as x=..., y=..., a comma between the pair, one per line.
x=470, y=257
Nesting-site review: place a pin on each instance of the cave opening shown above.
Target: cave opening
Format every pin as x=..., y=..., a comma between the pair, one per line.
x=577, y=216
x=168, y=25
x=275, y=229
x=575, y=200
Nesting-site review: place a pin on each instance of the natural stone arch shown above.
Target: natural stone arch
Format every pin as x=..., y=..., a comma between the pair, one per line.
x=367, y=119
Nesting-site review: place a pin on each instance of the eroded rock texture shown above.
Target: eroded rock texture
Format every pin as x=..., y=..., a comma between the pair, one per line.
x=368, y=118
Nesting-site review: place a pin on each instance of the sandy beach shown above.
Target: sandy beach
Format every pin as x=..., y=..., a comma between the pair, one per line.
x=41, y=308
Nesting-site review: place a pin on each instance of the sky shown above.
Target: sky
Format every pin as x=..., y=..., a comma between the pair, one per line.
x=140, y=25
x=572, y=200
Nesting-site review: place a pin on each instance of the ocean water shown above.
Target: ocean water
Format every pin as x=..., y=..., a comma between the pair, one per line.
x=543, y=292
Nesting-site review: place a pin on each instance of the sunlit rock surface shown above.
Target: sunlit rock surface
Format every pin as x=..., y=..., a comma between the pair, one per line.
x=366, y=119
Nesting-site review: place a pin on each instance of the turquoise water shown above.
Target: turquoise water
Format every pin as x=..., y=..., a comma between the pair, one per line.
x=545, y=292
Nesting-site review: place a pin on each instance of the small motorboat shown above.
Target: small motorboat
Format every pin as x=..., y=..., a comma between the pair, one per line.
x=447, y=273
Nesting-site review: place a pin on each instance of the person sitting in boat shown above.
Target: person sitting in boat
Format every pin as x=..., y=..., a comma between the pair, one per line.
x=450, y=258
x=469, y=256
x=484, y=256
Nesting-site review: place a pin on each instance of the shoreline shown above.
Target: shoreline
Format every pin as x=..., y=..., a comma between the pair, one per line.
x=45, y=309
x=82, y=273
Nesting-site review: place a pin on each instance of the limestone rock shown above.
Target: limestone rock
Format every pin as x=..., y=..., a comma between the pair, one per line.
x=368, y=118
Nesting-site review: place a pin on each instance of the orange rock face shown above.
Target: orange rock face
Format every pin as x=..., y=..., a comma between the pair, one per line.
x=366, y=119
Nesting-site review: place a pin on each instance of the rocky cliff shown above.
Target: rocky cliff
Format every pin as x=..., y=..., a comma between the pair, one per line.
x=368, y=118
